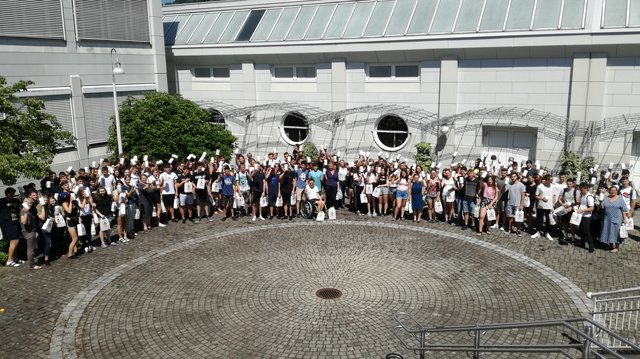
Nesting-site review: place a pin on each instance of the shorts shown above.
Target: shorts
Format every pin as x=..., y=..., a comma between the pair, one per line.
x=484, y=203
x=226, y=201
x=186, y=199
x=255, y=197
x=155, y=197
x=468, y=206
x=393, y=190
x=402, y=194
x=286, y=198
x=500, y=206
x=167, y=200
x=72, y=222
x=299, y=194
x=11, y=231
x=202, y=197
x=384, y=190
x=511, y=210
x=272, y=197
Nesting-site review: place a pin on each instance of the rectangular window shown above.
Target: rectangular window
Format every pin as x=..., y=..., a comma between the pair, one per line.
x=394, y=71
x=221, y=73
x=294, y=72
x=635, y=147
x=202, y=72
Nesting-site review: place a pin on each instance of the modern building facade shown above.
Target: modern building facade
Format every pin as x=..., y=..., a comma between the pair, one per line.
x=518, y=78
x=65, y=47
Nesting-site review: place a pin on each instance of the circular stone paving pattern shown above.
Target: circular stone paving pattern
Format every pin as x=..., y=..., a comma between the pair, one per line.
x=254, y=294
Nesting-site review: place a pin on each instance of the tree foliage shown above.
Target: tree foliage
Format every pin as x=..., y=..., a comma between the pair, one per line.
x=423, y=155
x=571, y=163
x=309, y=149
x=29, y=136
x=160, y=125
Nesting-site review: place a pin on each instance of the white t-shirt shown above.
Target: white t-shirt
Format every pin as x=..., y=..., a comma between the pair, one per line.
x=168, y=182
x=559, y=187
x=312, y=193
x=586, y=202
x=342, y=174
x=545, y=192
x=627, y=194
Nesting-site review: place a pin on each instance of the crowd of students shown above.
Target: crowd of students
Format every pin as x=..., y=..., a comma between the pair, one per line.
x=107, y=204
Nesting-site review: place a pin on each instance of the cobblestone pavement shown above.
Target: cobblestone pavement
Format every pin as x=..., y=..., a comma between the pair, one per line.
x=245, y=289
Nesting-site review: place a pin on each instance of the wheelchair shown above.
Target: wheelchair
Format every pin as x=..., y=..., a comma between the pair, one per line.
x=308, y=210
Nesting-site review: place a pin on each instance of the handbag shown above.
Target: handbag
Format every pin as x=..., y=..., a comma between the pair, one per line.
x=332, y=213
x=527, y=201
x=81, y=230
x=376, y=192
x=123, y=210
x=519, y=216
x=491, y=214
x=137, y=215
x=368, y=189
x=339, y=194
x=93, y=229
x=105, y=225
x=320, y=216
x=629, y=224
x=96, y=220
x=263, y=201
x=176, y=203
x=576, y=218
x=476, y=212
x=363, y=198
x=293, y=200
x=623, y=232
x=60, y=222
x=48, y=225
x=553, y=219
x=279, y=201
x=437, y=206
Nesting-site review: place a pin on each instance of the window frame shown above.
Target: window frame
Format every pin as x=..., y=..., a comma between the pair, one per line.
x=283, y=132
x=379, y=142
x=393, y=77
x=211, y=72
x=295, y=73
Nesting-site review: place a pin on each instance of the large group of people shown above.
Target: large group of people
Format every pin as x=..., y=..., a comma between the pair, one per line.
x=75, y=212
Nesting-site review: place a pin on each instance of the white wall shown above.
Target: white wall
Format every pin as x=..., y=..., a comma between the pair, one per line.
x=622, y=89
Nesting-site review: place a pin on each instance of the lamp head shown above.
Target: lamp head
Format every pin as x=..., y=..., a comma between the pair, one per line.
x=444, y=129
x=117, y=69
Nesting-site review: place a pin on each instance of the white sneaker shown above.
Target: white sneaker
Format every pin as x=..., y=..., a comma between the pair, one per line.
x=161, y=224
x=549, y=237
x=86, y=249
x=261, y=218
x=494, y=226
x=536, y=235
x=369, y=214
x=254, y=218
x=375, y=214
x=502, y=229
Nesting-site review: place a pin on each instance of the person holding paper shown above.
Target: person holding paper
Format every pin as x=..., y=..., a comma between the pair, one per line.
x=29, y=225
x=258, y=183
x=10, y=223
x=227, y=190
x=202, y=180
x=287, y=190
x=517, y=192
x=184, y=189
x=488, y=197
x=628, y=194
x=546, y=197
x=168, y=191
x=402, y=194
x=416, y=193
x=615, y=215
x=585, y=209
x=432, y=186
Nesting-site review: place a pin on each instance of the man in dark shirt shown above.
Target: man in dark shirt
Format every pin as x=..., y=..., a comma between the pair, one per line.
x=471, y=190
x=258, y=185
x=202, y=179
x=185, y=187
x=10, y=223
x=287, y=186
x=227, y=191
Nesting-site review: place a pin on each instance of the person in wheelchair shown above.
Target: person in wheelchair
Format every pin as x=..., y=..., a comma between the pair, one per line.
x=312, y=195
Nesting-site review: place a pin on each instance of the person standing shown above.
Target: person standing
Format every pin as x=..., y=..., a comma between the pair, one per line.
x=546, y=198
x=10, y=223
x=587, y=204
x=287, y=188
x=29, y=226
x=184, y=189
x=227, y=191
x=517, y=192
x=301, y=183
x=258, y=184
x=615, y=215
x=471, y=191
x=416, y=191
x=168, y=192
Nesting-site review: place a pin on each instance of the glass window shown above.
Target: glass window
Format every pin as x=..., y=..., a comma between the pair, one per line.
x=221, y=72
x=634, y=13
x=391, y=132
x=378, y=71
x=283, y=72
x=205, y=25
x=188, y=29
x=339, y=20
x=218, y=27
x=400, y=17
x=494, y=14
x=295, y=127
x=306, y=72
x=173, y=28
x=547, y=14
x=445, y=16
x=201, y=72
x=266, y=24
x=379, y=18
x=422, y=17
x=319, y=22
x=469, y=16
x=615, y=14
x=232, y=30
x=407, y=71
x=356, y=25
x=302, y=22
x=520, y=15
x=284, y=23
x=250, y=25
x=572, y=14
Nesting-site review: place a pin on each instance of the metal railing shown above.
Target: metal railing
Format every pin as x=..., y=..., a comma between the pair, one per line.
x=619, y=312
x=577, y=337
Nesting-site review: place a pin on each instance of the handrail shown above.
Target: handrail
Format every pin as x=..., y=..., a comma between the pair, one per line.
x=618, y=310
x=420, y=333
x=619, y=291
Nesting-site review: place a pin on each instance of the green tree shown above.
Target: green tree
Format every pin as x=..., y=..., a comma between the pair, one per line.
x=571, y=163
x=159, y=125
x=310, y=150
x=423, y=155
x=29, y=137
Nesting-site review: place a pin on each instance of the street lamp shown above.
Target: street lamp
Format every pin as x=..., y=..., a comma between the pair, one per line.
x=116, y=69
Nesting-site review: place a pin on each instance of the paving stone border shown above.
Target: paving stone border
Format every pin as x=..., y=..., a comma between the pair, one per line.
x=63, y=340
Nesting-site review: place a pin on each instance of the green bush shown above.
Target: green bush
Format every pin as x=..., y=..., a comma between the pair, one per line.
x=310, y=150
x=571, y=164
x=423, y=155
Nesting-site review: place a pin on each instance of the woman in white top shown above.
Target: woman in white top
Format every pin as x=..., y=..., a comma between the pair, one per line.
x=402, y=194
x=372, y=182
x=342, y=180
x=449, y=186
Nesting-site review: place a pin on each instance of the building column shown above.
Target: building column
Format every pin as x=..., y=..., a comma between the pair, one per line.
x=338, y=85
x=156, y=34
x=249, y=83
x=77, y=105
x=447, y=101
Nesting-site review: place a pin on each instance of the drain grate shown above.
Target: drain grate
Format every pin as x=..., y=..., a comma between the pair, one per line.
x=328, y=293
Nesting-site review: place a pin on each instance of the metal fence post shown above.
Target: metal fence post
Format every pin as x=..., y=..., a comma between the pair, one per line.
x=586, y=347
x=476, y=344
x=422, y=343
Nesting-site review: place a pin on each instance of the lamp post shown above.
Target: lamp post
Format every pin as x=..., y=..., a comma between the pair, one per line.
x=116, y=69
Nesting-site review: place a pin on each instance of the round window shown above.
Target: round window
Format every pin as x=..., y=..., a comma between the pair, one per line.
x=391, y=133
x=295, y=128
x=216, y=117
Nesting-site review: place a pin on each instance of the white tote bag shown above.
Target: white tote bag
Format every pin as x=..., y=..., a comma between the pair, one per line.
x=81, y=230
x=240, y=201
x=263, y=201
x=363, y=198
x=526, y=202
x=279, y=201
x=320, y=216
x=491, y=214
x=137, y=215
x=629, y=224
x=376, y=192
x=368, y=189
x=293, y=200
x=519, y=216
x=163, y=208
x=176, y=203
x=437, y=206
x=576, y=218
x=123, y=210
x=104, y=224
x=154, y=212
x=560, y=211
x=93, y=229
x=60, y=222
x=332, y=213
x=48, y=225
x=339, y=194
x=553, y=220
x=623, y=232
x=476, y=212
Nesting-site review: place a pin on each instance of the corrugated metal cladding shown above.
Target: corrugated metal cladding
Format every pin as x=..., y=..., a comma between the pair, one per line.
x=60, y=106
x=31, y=18
x=112, y=20
x=98, y=109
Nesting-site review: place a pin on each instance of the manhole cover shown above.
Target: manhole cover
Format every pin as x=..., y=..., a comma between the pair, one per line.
x=328, y=293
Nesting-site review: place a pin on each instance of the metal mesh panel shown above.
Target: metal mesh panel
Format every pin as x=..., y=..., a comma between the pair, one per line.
x=116, y=20
x=31, y=18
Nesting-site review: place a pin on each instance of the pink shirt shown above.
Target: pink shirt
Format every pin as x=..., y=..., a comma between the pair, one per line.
x=489, y=192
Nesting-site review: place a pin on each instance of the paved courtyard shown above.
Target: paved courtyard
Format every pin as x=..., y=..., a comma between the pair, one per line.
x=248, y=290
